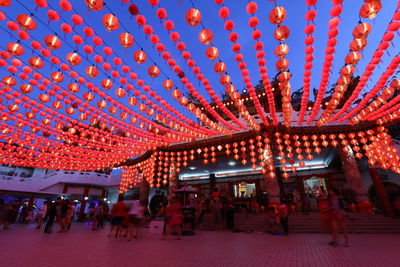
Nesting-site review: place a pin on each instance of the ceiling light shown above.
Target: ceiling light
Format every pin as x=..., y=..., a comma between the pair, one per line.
x=192, y=168
x=232, y=163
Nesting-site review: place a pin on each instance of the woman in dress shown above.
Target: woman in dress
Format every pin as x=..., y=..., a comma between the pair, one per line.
x=174, y=219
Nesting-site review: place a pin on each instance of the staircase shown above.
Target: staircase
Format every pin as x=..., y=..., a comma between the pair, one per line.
x=357, y=223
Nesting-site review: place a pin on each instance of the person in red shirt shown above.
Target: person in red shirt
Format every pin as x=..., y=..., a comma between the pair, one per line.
x=117, y=215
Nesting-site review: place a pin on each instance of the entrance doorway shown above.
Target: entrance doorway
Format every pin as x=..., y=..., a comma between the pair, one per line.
x=315, y=186
x=244, y=190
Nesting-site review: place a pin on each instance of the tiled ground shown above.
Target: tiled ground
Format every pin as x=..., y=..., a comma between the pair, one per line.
x=26, y=246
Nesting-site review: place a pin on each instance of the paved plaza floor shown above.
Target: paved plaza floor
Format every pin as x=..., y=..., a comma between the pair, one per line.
x=25, y=246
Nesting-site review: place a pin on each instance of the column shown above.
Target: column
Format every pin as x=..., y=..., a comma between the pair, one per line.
x=301, y=192
x=352, y=174
x=271, y=186
x=384, y=202
x=83, y=203
x=144, y=192
x=65, y=188
x=103, y=194
x=173, y=181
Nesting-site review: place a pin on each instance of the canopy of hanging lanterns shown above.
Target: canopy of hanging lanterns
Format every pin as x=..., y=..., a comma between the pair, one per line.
x=87, y=85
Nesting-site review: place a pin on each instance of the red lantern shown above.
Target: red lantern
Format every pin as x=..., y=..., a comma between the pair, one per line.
x=153, y=71
x=193, y=17
x=212, y=53
x=281, y=33
x=44, y=98
x=74, y=59
x=26, y=88
x=126, y=39
x=281, y=50
x=57, y=76
x=206, y=36
x=277, y=15
x=120, y=92
x=220, y=67
x=110, y=22
x=52, y=41
x=362, y=30
x=370, y=9
x=106, y=84
x=92, y=71
x=168, y=84
x=15, y=49
x=73, y=87
x=140, y=57
x=36, y=62
x=94, y=5
x=176, y=94
x=26, y=22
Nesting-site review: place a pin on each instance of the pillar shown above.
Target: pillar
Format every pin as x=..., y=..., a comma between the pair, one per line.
x=380, y=190
x=103, y=194
x=65, y=188
x=144, y=192
x=83, y=203
x=301, y=192
x=212, y=183
x=271, y=186
x=173, y=181
x=352, y=174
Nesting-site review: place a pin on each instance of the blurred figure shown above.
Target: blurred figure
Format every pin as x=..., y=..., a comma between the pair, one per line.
x=136, y=214
x=64, y=204
x=216, y=207
x=283, y=218
x=117, y=215
x=3, y=214
x=41, y=214
x=174, y=219
x=70, y=215
x=230, y=213
x=200, y=211
x=98, y=216
x=51, y=215
x=338, y=218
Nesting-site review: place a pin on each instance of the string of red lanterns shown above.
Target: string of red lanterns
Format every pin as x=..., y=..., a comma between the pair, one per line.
x=333, y=24
x=309, y=58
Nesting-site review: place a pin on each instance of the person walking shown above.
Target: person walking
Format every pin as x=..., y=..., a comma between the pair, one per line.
x=338, y=218
x=230, y=214
x=174, y=219
x=117, y=213
x=136, y=214
x=216, y=207
x=51, y=215
x=41, y=214
x=98, y=216
x=283, y=218
x=70, y=215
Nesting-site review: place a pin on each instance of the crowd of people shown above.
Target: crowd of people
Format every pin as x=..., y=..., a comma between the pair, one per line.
x=126, y=217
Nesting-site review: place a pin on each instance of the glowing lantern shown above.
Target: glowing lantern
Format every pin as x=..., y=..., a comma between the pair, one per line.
x=176, y=94
x=352, y=58
x=9, y=80
x=26, y=88
x=362, y=30
x=74, y=59
x=88, y=96
x=370, y=9
x=120, y=92
x=94, y=5
x=5, y=3
x=281, y=33
x=52, y=41
x=57, y=76
x=92, y=71
x=44, y=98
x=153, y=71
x=36, y=62
x=168, y=84
x=183, y=101
x=212, y=53
x=206, y=36
x=282, y=64
x=110, y=22
x=395, y=84
x=70, y=111
x=358, y=44
x=73, y=87
x=277, y=15
x=13, y=108
x=140, y=57
x=26, y=22
x=106, y=84
x=193, y=17
x=220, y=67
x=225, y=80
x=15, y=49
x=142, y=107
x=126, y=39
x=102, y=104
x=281, y=50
